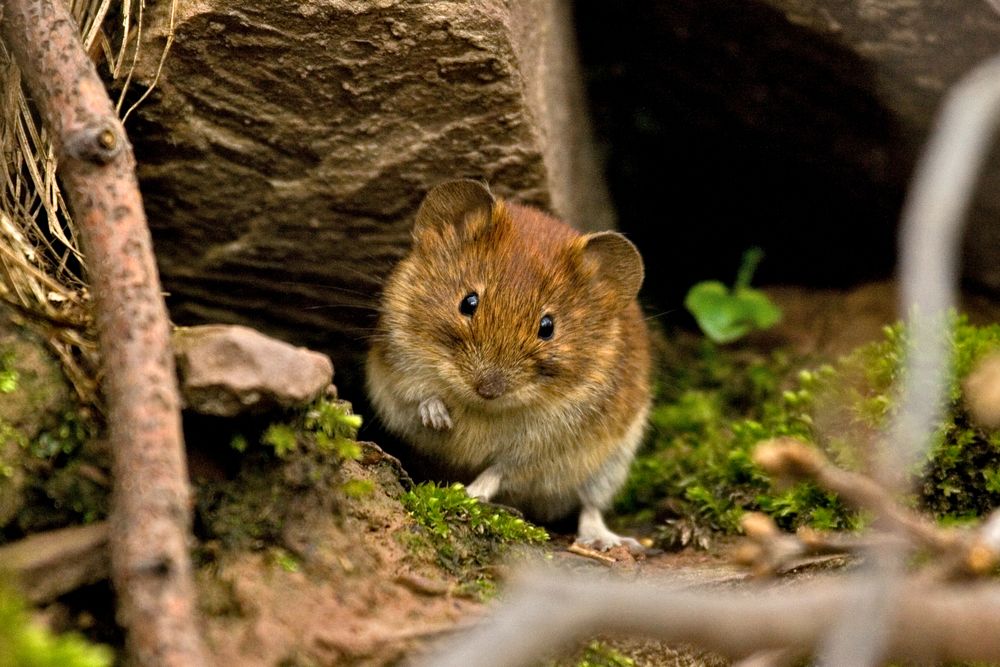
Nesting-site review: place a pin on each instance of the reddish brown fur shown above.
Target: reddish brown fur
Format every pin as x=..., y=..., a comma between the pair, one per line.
x=571, y=401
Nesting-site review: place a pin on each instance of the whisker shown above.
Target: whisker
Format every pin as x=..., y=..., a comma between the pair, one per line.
x=341, y=305
x=665, y=312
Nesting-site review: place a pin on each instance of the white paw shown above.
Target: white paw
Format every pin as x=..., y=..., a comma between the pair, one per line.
x=434, y=414
x=609, y=540
x=593, y=534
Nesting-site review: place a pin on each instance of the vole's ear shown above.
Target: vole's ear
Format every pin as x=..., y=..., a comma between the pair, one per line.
x=619, y=261
x=452, y=203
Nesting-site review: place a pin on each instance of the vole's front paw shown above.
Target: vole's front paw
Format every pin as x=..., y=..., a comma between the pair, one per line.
x=434, y=414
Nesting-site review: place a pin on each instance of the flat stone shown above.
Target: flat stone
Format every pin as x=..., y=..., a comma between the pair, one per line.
x=227, y=370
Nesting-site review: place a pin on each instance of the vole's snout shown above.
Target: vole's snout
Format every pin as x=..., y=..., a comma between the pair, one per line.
x=491, y=384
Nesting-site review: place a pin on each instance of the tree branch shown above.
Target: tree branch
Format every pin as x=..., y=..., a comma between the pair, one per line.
x=151, y=567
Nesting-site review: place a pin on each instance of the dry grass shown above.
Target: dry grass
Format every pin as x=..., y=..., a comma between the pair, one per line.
x=42, y=268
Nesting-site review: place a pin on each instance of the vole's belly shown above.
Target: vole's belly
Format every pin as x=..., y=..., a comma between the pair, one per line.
x=543, y=461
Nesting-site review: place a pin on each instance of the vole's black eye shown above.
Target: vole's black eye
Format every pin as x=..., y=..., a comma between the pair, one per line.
x=546, y=327
x=469, y=304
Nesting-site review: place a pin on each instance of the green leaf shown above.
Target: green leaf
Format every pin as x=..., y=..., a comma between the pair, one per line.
x=726, y=315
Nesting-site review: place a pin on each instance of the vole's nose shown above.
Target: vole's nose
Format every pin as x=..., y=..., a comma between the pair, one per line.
x=491, y=384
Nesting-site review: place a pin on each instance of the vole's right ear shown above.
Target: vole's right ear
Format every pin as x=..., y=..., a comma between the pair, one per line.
x=451, y=204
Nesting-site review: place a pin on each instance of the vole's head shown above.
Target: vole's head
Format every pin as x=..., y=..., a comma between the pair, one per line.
x=503, y=306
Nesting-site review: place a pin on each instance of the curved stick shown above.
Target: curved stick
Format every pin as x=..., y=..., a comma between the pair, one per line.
x=151, y=567
x=931, y=230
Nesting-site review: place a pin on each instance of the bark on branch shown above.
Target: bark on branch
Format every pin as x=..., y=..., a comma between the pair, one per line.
x=151, y=567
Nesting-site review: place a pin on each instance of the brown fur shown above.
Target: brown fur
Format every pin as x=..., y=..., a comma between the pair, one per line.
x=574, y=406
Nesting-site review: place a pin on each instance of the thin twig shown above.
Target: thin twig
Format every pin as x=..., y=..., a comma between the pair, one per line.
x=791, y=458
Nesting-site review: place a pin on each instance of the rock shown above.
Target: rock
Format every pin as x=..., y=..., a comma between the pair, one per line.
x=287, y=145
x=229, y=370
x=33, y=394
x=793, y=125
x=916, y=51
x=40, y=392
x=48, y=565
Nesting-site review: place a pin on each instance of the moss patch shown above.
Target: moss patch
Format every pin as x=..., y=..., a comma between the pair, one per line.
x=293, y=464
x=467, y=535
x=714, y=404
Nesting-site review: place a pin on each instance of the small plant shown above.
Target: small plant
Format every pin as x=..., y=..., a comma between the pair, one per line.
x=726, y=315
x=25, y=644
x=595, y=654
x=330, y=427
x=599, y=654
x=284, y=560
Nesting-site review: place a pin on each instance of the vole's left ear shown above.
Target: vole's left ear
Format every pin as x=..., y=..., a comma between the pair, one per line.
x=619, y=261
x=451, y=204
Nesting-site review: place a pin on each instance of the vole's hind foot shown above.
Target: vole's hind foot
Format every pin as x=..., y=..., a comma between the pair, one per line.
x=486, y=485
x=609, y=541
x=434, y=414
x=592, y=533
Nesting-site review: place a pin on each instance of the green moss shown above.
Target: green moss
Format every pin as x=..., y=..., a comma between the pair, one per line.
x=327, y=426
x=464, y=532
x=25, y=644
x=290, y=464
x=67, y=479
x=598, y=654
x=9, y=374
x=358, y=488
x=595, y=654
x=714, y=405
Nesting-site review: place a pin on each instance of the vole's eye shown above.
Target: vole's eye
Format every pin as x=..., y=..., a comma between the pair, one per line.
x=546, y=327
x=469, y=304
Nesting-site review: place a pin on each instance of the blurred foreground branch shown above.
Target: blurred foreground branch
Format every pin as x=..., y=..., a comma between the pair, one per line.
x=151, y=567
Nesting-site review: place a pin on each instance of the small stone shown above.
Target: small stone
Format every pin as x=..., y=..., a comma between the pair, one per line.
x=982, y=391
x=227, y=370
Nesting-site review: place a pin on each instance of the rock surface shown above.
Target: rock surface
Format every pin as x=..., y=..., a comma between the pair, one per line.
x=230, y=370
x=917, y=51
x=793, y=125
x=288, y=144
x=38, y=393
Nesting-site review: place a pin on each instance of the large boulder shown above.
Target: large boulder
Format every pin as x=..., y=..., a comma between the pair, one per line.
x=790, y=124
x=287, y=145
x=916, y=51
